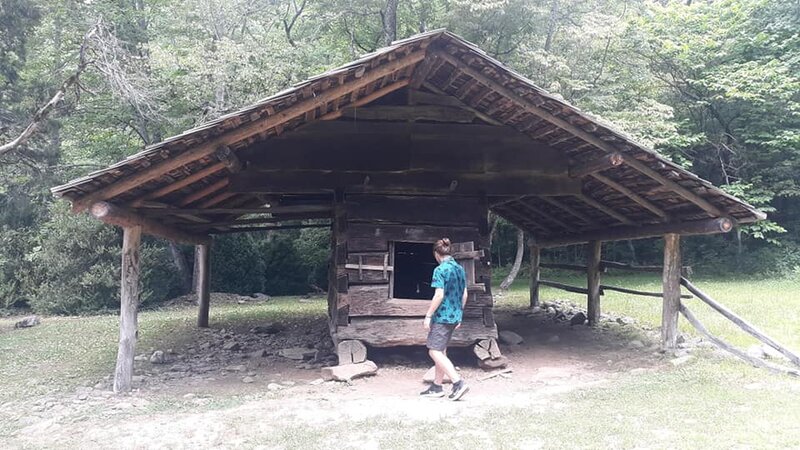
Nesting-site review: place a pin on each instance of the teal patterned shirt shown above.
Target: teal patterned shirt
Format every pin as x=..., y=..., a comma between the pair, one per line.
x=449, y=276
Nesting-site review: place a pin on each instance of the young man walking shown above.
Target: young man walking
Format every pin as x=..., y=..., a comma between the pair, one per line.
x=443, y=317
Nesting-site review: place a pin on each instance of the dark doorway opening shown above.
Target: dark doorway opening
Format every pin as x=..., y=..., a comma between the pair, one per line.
x=413, y=268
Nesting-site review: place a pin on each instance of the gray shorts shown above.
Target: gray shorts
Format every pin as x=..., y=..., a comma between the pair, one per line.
x=439, y=335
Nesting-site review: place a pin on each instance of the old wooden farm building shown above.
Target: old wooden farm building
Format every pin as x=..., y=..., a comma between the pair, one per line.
x=410, y=143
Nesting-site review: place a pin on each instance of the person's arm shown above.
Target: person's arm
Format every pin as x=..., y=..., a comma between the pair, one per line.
x=464, y=298
x=438, y=296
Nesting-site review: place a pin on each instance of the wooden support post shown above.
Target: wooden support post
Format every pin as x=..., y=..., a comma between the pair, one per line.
x=672, y=291
x=201, y=259
x=535, y=274
x=593, y=282
x=129, y=304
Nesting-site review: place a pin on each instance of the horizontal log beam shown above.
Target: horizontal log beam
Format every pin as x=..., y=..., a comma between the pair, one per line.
x=270, y=228
x=583, y=217
x=433, y=113
x=114, y=215
x=706, y=226
x=289, y=209
x=244, y=132
x=579, y=132
x=180, y=184
x=402, y=183
x=596, y=165
x=368, y=98
x=260, y=220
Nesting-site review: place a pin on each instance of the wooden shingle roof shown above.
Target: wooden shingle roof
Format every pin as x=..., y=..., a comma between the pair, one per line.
x=624, y=184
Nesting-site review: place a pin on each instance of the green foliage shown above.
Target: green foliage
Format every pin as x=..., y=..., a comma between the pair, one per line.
x=714, y=86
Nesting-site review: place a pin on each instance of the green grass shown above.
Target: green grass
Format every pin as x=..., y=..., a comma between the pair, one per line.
x=708, y=403
x=769, y=304
x=65, y=352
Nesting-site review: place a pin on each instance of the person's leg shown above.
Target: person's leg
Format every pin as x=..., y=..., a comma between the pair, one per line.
x=443, y=366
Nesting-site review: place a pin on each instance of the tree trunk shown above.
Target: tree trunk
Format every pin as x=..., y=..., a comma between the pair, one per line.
x=389, y=19
x=517, y=261
x=182, y=265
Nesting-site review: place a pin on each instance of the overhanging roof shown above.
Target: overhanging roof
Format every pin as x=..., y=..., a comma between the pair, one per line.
x=185, y=179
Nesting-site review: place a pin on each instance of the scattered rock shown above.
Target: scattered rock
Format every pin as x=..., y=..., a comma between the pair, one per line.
x=275, y=387
x=536, y=310
x=189, y=396
x=83, y=397
x=551, y=310
x=236, y=368
x=509, y=337
x=638, y=371
x=248, y=380
x=297, y=353
x=430, y=375
x=553, y=339
x=491, y=364
x=681, y=360
x=578, y=319
x=260, y=296
x=141, y=357
x=28, y=322
x=348, y=372
x=316, y=382
x=232, y=346
x=635, y=344
x=625, y=320
x=157, y=357
x=288, y=383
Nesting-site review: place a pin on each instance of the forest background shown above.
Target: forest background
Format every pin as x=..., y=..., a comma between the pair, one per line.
x=713, y=85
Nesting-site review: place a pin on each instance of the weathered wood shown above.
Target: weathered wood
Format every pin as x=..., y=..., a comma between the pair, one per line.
x=259, y=220
x=705, y=226
x=535, y=253
x=583, y=217
x=244, y=132
x=639, y=200
x=216, y=200
x=351, y=351
x=383, y=332
x=733, y=350
x=594, y=250
x=580, y=133
x=458, y=132
x=202, y=257
x=205, y=192
x=423, y=69
x=270, y=228
x=605, y=209
x=115, y=215
x=702, y=203
x=405, y=153
x=740, y=322
x=292, y=209
x=458, y=101
x=129, y=305
x=432, y=113
x=487, y=349
x=180, y=184
x=442, y=211
x=419, y=182
x=229, y=158
x=368, y=98
x=565, y=287
x=672, y=291
x=550, y=218
x=596, y=165
x=605, y=287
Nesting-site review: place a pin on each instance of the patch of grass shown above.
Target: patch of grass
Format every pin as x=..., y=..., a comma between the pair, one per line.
x=769, y=304
x=65, y=352
x=708, y=404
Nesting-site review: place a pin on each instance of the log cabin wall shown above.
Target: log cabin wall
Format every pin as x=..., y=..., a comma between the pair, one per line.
x=366, y=227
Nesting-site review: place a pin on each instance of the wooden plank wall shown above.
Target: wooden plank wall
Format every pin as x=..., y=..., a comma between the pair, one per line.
x=365, y=225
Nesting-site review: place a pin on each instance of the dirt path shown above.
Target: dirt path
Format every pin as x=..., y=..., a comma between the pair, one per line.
x=201, y=400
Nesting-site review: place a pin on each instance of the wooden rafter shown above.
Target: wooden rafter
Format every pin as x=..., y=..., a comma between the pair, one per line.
x=114, y=215
x=579, y=132
x=366, y=99
x=583, y=217
x=639, y=200
x=242, y=133
x=596, y=165
x=549, y=217
x=605, y=209
x=705, y=226
x=205, y=192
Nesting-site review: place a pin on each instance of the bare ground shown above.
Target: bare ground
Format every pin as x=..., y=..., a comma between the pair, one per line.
x=199, y=399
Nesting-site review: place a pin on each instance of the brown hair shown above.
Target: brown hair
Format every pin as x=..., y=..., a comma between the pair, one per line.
x=442, y=247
